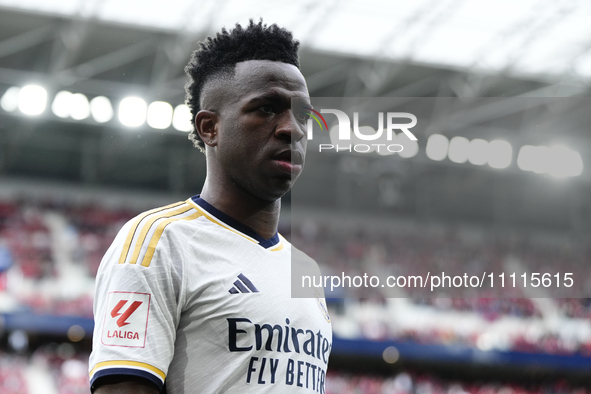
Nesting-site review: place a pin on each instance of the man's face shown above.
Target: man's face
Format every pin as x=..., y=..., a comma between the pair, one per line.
x=261, y=143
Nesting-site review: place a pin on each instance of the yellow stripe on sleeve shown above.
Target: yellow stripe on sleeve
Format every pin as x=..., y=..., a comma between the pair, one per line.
x=134, y=226
x=120, y=363
x=158, y=233
x=148, y=225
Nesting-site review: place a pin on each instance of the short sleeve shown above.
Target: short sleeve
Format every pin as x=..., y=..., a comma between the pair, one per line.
x=137, y=303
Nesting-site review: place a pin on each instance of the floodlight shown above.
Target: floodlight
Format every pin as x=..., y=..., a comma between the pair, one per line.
x=160, y=115
x=132, y=111
x=458, y=149
x=576, y=167
x=101, y=109
x=541, y=160
x=32, y=100
x=79, y=107
x=9, y=101
x=181, y=120
x=437, y=145
x=478, y=152
x=565, y=162
x=525, y=158
x=61, y=104
x=500, y=154
x=558, y=160
x=411, y=148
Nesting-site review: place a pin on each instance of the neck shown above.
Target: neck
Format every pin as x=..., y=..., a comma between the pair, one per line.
x=260, y=215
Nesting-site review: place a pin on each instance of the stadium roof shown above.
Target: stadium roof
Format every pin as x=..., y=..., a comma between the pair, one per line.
x=117, y=50
x=544, y=39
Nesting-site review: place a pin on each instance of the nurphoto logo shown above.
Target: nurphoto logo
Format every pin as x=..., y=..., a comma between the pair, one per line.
x=393, y=123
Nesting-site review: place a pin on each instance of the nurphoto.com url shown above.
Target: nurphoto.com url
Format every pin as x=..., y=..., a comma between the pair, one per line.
x=442, y=280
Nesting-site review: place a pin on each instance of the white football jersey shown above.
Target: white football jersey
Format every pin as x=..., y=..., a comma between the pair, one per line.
x=196, y=302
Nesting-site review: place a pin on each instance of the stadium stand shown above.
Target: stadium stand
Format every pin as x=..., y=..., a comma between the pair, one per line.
x=52, y=243
x=407, y=383
x=12, y=377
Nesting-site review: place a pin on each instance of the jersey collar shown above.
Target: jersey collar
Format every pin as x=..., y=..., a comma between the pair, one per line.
x=235, y=224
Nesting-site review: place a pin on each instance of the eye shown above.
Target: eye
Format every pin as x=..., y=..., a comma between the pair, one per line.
x=268, y=109
x=302, y=116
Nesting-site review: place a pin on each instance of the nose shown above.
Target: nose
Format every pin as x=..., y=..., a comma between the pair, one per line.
x=289, y=127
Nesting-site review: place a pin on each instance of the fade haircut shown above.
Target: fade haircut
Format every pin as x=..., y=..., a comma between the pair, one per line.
x=218, y=55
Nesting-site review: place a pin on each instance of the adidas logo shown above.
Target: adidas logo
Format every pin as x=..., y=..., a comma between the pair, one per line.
x=243, y=285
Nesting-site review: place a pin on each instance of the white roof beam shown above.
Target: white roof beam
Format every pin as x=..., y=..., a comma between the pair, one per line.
x=27, y=40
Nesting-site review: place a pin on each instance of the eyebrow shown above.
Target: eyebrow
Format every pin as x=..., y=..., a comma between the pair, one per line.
x=274, y=96
x=269, y=96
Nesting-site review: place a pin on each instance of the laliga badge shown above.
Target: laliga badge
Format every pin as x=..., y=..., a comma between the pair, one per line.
x=126, y=319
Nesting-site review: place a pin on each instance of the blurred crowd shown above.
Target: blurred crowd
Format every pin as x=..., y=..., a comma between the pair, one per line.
x=416, y=249
x=12, y=375
x=50, y=252
x=59, y=369
x=491, y=318
x=41, y=242
x=51, y=369
x=406, y=383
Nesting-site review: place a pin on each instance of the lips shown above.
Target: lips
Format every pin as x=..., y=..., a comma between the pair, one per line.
x=290, y=156
x=289, y=161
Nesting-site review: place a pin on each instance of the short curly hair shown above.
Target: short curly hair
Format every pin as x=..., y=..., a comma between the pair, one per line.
x=219, y=54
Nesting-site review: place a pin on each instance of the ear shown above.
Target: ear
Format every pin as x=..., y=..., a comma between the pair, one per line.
x=206, y=124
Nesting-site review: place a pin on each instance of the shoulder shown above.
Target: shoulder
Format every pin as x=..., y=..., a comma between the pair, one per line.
x=301, y=259
x=139, y=238
x=143, y=259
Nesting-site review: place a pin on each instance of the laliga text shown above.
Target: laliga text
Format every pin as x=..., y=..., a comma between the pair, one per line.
x=433, y=282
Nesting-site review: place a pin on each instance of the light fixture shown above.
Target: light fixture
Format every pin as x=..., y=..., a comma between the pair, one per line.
x=525, y=158
x=181, y=120
x=566, y=162
x=61, y=104
x=132, y=111
x=458, y=150
x=500, y=154
x=79, y=107
x=437, y=146
x=101, y=109
x=32, y=100
x=541, y=160
x=558, y=160
x=160, y=115
x=411, y=148
x=478, y=152
x=9, y=101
